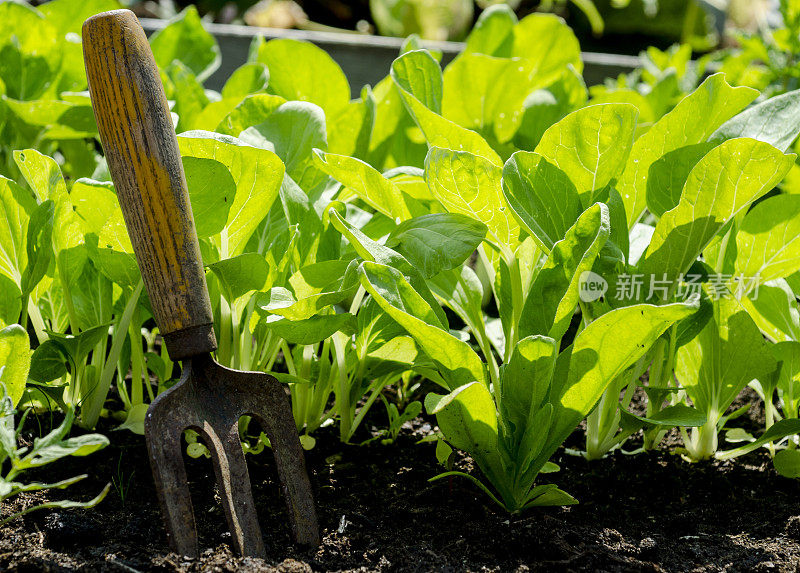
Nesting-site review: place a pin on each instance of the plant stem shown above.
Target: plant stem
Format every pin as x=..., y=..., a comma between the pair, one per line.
x=345, y=407
x=90, y=412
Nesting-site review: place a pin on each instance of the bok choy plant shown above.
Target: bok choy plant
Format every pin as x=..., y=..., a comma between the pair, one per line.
x=15, y=362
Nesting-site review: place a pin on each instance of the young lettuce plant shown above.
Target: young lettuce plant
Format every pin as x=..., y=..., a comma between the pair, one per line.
x=787, y=384
x=759, y=250
x=512, y=429
x=76, y=293
x=15, y=362
x=367, y=350
x=684, y=178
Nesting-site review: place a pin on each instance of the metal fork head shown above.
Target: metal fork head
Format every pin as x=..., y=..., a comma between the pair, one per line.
x=210, y=399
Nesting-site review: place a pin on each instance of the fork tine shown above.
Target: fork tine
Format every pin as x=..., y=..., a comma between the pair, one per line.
x=275, y=416
x=237, y=497
x=163, y=438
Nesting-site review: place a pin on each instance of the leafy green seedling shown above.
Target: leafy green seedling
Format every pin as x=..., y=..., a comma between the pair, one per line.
x=45, y=450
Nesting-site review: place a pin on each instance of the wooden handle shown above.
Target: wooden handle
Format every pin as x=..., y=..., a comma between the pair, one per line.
x=143, y=157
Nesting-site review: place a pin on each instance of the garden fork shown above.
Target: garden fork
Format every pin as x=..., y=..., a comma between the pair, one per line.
x=142, y=152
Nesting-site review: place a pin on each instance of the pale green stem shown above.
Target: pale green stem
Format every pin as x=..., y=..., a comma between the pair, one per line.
x=35, y=315
x=345, y=408
x=90, y=413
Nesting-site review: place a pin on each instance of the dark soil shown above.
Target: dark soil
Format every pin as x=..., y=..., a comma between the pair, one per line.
x=650, y=512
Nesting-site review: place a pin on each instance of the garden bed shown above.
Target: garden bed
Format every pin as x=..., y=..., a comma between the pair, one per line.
x=378, y=513
x=460, y=248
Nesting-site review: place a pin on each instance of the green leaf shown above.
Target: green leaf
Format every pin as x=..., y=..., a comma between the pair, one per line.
x=119, y=268
x=776, y=121
x=292, y=131
x=78, y=446
x=134, y=421
x=48, y=362
x=768, y=241
x=257, y=174
x=419, y=79
x=591, y=146
x=601, y=352
x=98, y=208
x=211, y=192
x=392, y=287
x=467, y=418
x=778, y=430
x=545, y=107
x=190, y=98
x=389, y=130
x=787, y=354
x=668, y=176
x=311, y=330
x=44, y=113
x=524, y=385
x=77, y=347
x=38, y=246
x=692, y=121
x=44, y=176
x=185, y=39
x=724, y=182
x=96, y=205
x=443, y=452
x=237, y=114
x=418, y=74
x=486, y=94
x=457, y=362
x=368, y=183
x=62, y=504
x=301, y=71
x=241, y=274
x=10, y=300
x=68, y=16
x=553, y=296
x=311, y=296
x=30, y=53
x=322, y=276
x=462, y=291
x=671, y=416
x=542, y=197
x=787, y=463
x=90, y=290
x=548, y=43
x=245, y=80
x=15, y=361
x=690, y=327
x=16, y=204
x=436, y=242
x=471, y=185
x=727, y=354
x=396, y=356
x=493, y=33
x=369, y=250
x=281, y=301
x=350, y=129
x=775, y=310
x=549, y=495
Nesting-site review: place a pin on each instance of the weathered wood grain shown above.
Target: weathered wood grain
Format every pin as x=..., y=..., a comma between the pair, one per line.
x=142, y=152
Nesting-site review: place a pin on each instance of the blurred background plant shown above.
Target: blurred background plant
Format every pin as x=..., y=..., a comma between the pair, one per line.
x=626, y=26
